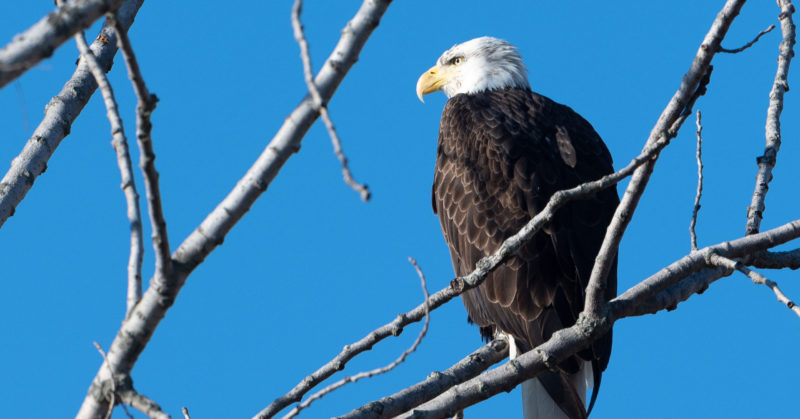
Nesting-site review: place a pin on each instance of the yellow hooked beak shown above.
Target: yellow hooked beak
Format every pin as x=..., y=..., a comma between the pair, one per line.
x=431, y=81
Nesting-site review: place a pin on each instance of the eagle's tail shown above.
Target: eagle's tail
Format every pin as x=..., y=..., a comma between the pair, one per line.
x=568, y=390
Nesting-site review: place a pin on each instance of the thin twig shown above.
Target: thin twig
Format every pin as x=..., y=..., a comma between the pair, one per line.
x=699, y=194
x=144, y=108
x=120, y=143
x=362, y=189
x=749, y=44
x=766, y=162
x=436, y=383
x=185, y=412
x=757, y=278
x=693, y=85
x=113, y=380
x=377, y=371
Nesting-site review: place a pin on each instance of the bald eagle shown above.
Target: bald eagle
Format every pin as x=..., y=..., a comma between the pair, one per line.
x=503, y=151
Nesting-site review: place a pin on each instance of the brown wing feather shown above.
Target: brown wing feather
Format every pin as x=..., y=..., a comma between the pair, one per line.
x=501, y=155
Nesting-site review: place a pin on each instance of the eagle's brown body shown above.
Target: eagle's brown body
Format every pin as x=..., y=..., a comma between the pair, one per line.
x=502, y=153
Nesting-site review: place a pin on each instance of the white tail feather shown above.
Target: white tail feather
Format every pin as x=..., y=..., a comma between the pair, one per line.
x=536, y=403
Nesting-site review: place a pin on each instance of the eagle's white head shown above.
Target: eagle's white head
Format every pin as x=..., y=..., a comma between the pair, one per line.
x=483, y=63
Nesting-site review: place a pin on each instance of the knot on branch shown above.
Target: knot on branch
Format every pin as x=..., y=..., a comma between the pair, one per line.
x=547, y=360
x=590, y=325
x=457, y=285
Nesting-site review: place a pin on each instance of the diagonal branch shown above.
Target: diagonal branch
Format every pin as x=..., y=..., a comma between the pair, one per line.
x=60, y=113
x=321, y=105
x=679, y=107
x=367, y=374
x=144, y=108
x=139, y=327
x=437, y=383
x=41, y=39
x=766, y=162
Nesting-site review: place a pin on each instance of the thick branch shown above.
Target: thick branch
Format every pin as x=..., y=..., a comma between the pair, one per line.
x=60, y=113
x=669, y=122
x=766, y=162
x=437, y=383
x=138, y=328
x=41, y=39
x=775, y=260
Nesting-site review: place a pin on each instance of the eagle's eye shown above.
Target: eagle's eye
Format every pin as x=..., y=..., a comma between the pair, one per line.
x=456, y=61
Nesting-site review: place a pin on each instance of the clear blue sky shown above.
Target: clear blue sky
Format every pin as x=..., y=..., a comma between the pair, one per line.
x=311, y=268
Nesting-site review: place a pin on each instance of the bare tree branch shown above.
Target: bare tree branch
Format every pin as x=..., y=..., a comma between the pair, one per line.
x=142, y=403
x=749, y=44
x=436, y=383
x=60, y=113
x=41, y=39
x=137, y=329
x=185, y=412
x=112, y=382
x=377, y=371
x=679, y=107
x=775, y=260
x=699, y=194
x=144, y=108
x=320, y=104
x=766, y=162
x=757, y=278
x=120, y=143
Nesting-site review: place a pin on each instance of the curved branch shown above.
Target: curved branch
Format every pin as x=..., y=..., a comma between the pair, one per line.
x=60, y=113
x=766, y=162
x=41, y=39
